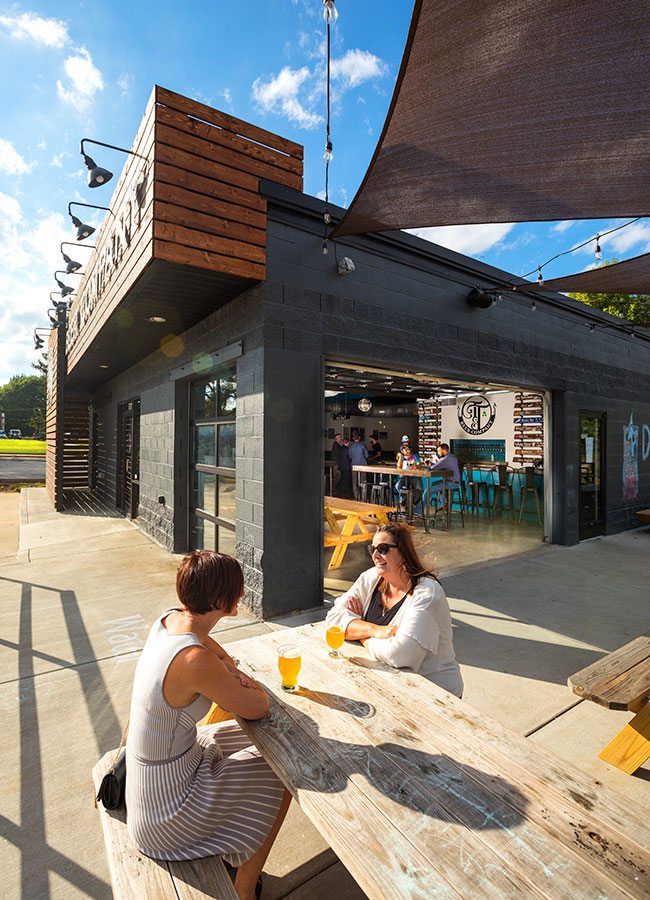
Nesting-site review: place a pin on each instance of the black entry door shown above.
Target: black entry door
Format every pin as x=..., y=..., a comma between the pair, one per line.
x=591, y=488
x=128, y=458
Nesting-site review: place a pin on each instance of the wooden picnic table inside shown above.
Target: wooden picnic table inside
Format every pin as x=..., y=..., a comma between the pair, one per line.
x=422, y=796
x=621, y=680
x=366, y=517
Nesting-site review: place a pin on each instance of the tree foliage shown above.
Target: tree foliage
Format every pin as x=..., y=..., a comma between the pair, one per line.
x=41, y=363
x=22, y=400
x=633, y=307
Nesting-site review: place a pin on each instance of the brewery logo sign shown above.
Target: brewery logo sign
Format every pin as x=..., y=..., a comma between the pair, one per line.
x=476, y=414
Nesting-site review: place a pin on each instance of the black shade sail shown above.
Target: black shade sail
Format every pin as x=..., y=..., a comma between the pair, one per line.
x=513, y=111
x=629, y=277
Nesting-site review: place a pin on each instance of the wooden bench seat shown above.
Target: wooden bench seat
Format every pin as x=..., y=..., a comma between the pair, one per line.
x=136, y=876
x=643, y=515
x=621, y=680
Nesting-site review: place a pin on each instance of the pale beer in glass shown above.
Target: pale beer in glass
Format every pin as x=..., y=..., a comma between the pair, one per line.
x=335, y=637
x=289, y=662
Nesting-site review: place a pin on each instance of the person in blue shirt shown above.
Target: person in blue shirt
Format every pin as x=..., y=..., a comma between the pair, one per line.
x=358, y=457
x=448, y=461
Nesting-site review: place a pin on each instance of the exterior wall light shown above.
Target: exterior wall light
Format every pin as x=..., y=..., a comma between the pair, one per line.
x=96, y=175
x=71, y=265
x=65, y=288
x=84, y=231
x=480, y=299
x=345, y=266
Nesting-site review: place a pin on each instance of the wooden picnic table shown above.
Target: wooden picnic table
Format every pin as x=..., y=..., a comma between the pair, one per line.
x=367, y=517
x=422, y=796
x=621, y=680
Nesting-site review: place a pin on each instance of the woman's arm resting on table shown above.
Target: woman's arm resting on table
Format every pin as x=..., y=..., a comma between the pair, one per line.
x=203, y=673
x=398, y=652
x=358, y=630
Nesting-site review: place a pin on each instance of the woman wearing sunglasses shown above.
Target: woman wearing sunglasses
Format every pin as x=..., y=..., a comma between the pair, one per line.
x=399, y=611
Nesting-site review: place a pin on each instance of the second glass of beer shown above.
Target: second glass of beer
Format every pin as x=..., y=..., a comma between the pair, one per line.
x=289, y=662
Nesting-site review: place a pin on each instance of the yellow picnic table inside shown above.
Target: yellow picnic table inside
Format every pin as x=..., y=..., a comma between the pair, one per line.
x=351, y=522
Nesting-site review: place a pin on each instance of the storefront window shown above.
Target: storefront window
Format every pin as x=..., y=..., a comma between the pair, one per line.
x=212, y=431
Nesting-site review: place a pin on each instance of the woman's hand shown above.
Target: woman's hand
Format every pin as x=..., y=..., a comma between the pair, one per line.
x=354, y=605
x=385, y=631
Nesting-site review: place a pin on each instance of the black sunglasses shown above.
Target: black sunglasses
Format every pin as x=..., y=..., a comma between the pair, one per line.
x=382, y=549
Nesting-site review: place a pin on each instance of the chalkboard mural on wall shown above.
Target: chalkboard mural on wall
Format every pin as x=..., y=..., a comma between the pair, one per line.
x=476, y=414
x=630, y=460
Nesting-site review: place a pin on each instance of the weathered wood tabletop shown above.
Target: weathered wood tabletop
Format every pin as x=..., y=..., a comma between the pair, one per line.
x=422, y=796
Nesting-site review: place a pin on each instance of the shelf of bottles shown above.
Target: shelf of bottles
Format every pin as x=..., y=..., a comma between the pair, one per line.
x=529, y=428
x=429, y=427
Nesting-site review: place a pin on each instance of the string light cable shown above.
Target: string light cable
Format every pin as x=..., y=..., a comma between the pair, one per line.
x=538, y=269
x=330, y=14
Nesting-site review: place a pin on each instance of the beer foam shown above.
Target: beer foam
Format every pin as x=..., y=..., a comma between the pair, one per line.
x=289, y=652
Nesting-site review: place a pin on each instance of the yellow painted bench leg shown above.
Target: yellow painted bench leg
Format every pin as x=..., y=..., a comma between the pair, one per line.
x=631, y=746
x=217, y=714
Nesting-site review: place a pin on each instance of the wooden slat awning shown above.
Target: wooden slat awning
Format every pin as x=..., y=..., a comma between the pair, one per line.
x=513, y=111
x=629, y=277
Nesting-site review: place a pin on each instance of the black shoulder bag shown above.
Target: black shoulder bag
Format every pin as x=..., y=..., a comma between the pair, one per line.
x=111, y=790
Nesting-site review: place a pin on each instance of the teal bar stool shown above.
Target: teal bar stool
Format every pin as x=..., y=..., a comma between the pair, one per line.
x=528, y=488
x=503, y=491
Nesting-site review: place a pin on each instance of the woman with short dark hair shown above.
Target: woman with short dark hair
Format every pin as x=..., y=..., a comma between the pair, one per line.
x=399, y=611
x=193, y=792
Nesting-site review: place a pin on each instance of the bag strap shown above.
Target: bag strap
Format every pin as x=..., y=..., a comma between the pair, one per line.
x=122, y=742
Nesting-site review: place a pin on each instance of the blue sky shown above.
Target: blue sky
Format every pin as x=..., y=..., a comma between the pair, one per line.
x=85, y=69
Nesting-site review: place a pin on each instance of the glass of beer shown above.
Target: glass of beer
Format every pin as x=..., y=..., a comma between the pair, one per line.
x=335, y=637
x=289, y=662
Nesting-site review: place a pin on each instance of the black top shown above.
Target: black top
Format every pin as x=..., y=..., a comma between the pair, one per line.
x=376, y=612
x=344, y=461
x=336, y=452
x=375, y=452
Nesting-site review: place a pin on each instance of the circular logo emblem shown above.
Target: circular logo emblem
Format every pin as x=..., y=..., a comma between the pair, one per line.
x=476, y=415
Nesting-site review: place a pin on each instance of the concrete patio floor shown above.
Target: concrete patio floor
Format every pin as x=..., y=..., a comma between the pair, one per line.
x=80, y=591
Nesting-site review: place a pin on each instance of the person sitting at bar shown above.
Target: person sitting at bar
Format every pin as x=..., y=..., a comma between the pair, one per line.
x=448, y=461
x=408, y=459
x=194, y=792
x=399, y=611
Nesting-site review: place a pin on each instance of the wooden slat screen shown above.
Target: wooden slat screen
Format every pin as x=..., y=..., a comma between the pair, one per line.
x=208, y=211
x=75, y=473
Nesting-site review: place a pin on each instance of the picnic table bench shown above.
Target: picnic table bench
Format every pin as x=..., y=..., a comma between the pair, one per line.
x=367, y=517
x=621, y=680
x=135, y=875
x=422, y=796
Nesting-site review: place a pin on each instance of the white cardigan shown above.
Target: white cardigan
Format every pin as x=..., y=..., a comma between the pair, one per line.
x=423, y=642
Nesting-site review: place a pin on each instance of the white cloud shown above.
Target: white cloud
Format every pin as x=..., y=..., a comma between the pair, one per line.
x=227, y=96
x=470, y=239
x=42, y=144
x=125, y=83
x=28, y=256
x=357, y=66
x=280, y=95
x=85, y=80
x=28, y=26
x=561, y=227
x=11, y=161
x=635, y=236
x=57, y=159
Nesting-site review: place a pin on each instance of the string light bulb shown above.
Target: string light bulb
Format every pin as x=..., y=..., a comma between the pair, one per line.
x=325, y=247
x=540, y=280
x=330, y=12
x=328, y=155
x=592, y=328
x=598, y=251
x=533, y=307
x=327, y=218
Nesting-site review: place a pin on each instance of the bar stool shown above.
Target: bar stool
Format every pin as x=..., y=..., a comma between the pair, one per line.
x=363, y=491
x=379, y=493
x=474, y=488
x=501, y=487
x=447, y=493
x=530, y=488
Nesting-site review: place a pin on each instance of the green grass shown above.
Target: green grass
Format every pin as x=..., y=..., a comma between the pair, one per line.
x=15, y=488
x=25, y=447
